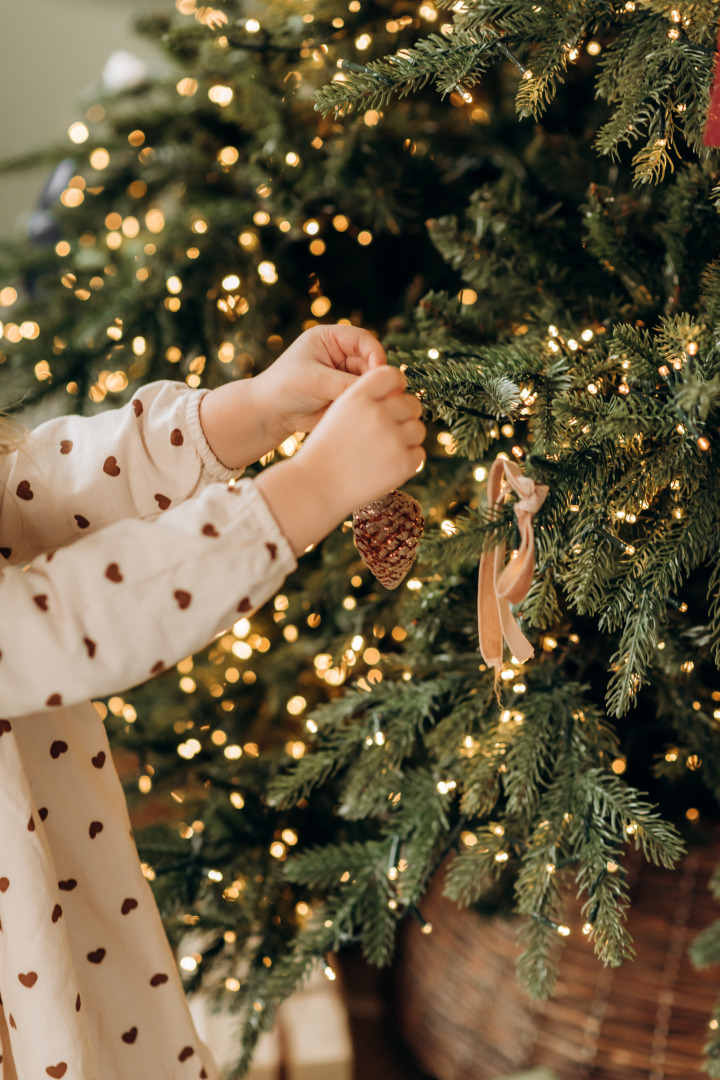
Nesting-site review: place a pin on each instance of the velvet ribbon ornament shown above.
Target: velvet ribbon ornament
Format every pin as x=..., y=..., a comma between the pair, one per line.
x=501, y=585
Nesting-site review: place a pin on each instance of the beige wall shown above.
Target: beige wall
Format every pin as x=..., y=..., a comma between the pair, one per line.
x=52, y=53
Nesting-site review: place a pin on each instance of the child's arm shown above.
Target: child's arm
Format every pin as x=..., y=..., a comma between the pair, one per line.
x=74, y=475
x=117, y=607
x=108, y=612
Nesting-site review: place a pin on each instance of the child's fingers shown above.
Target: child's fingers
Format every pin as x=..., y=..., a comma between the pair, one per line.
x=402, y=407
x=414, y=432
x=382, y=382
x=351, y=348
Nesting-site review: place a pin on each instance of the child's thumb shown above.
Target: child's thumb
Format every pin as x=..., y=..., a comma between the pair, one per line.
x=337, y=382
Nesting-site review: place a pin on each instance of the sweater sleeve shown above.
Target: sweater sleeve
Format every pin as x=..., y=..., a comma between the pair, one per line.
x=116, y=607
x=74, y=475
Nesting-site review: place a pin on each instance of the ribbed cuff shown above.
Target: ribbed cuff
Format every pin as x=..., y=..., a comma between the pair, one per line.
x=213, y=467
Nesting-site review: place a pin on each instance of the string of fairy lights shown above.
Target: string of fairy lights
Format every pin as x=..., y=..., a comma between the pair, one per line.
x=233, y=304
x=234, y=651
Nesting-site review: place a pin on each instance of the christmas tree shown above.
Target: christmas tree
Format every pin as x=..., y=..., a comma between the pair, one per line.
x=318, y=766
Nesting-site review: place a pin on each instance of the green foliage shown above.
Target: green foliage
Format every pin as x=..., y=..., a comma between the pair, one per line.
x=654, y=72
x=559, y=307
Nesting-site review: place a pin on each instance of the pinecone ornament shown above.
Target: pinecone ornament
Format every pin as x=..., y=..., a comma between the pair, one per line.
x=387, y=533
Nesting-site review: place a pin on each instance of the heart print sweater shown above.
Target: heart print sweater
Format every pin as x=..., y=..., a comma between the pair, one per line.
x=125, y=545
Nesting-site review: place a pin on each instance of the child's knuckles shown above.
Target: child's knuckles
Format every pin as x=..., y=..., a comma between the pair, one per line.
x=415, y=431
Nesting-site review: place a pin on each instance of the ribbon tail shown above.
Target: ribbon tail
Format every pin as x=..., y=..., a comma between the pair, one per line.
x=490, y=633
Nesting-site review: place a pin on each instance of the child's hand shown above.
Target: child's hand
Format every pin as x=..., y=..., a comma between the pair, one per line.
x=368, y=442
x=249, y=417
x=313, y=372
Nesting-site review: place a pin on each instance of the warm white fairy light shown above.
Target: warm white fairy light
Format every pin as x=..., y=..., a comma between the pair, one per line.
x=267, y=272
x=78, y=132
x=444, y=786
x=221, y=95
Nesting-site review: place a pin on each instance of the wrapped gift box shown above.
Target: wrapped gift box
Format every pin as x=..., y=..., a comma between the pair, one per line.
x=310, y=1041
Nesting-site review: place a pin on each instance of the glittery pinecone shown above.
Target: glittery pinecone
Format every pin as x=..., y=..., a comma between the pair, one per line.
x=387, y=533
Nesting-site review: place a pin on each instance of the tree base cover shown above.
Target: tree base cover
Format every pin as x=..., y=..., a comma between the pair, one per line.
x=465, y=1017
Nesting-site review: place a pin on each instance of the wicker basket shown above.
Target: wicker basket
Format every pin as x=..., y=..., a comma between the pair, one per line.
x=463, y=1014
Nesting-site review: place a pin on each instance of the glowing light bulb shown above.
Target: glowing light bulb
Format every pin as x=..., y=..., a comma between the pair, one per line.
x=78, y=133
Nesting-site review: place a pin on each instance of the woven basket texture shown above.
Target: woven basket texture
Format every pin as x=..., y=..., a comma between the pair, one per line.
x=464, y=1015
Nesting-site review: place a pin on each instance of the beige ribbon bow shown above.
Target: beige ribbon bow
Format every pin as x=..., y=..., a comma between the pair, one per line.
x=498, y=588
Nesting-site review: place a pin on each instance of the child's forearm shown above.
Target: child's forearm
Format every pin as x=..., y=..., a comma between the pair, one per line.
x=238, y=429
x=300, y=503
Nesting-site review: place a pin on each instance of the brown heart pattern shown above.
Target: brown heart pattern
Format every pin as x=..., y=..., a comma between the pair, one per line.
x=24, y=491
x=137, y=406
x=54, y=699
x=43, y=813
x=210, y=530
x=31, y=824
x=57, y=1071
x=95, y=828
x=77, y=1003
x=96, y=956
x=183, y=598
x=90, y=646
x=176, y=437
x=58, y=747
x=28, y=979
x=162, y=501
x=185, y=1053
x=56, y=913
x=6, y=552
x=66, y=446
x=111, y=467
x=4, y=884
x=5, y=726
x=42, y=601
x=160, y=666
x=159, y=979
x=83, y=522
x=112, y=572
x=244, y=604
x=130, y=1036
x=272, y=548
x=99, y=759
x=68, y=885
x=129, y=904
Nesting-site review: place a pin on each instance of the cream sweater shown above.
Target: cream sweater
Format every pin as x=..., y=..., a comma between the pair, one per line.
x=139, y=552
